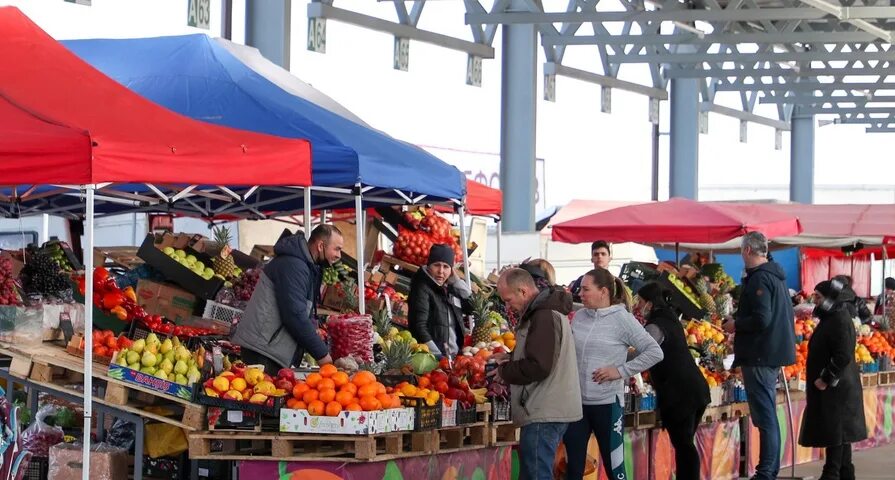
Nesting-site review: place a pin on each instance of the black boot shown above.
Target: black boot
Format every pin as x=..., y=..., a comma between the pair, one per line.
x=847, y=472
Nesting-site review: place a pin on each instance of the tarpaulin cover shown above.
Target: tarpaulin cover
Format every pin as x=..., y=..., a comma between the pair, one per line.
x=677, y=220
x=195, y=76
x=134, y=140
x=820, y=265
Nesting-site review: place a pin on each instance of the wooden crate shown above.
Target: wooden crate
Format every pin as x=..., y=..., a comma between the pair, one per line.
x=887, y=378
x=641, y=420
x=503, y=434
x=235, y=446
x=716, y=414
x=869, y=379
x=462, y=437
x=739, y=410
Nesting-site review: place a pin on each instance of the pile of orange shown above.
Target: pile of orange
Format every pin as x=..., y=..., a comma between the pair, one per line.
x=330, y=391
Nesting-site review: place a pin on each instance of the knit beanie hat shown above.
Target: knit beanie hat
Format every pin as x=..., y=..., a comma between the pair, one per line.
x=441, y=253
x=890, y=283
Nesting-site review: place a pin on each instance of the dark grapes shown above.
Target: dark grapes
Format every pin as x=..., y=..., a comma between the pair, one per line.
x=42, y=275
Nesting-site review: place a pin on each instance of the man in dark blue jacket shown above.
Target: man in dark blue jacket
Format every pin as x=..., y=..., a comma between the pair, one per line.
x=765, y=341
x=279, y=324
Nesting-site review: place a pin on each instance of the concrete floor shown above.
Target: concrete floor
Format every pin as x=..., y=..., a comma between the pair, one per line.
x=875, y=464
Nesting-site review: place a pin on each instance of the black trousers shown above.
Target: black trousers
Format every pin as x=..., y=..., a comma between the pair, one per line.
x=839, y=465
x=251, y=357
x=681, y=427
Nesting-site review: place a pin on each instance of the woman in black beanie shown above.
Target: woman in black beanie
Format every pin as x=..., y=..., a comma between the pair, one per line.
x=682, y=393
x=834, y=412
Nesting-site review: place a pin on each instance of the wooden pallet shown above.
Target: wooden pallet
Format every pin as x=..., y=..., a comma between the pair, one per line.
x=388, y=263
x=716, y=414
x=887, y=378
x=53, y=368
x=641, y=420
x=869, y=379
x=503, y=434
x=739, y=410
x=234, y=446
x=122, y=256
x=463, y=437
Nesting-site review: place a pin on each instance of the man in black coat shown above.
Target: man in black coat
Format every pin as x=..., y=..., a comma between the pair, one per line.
x=437, y=301
x=834, y=411
x=765, y=341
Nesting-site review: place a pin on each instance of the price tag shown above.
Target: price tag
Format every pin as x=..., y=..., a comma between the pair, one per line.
x=199, y=14
x=474, y=71
x=65, y=324
x=317, y=35
x=402, y=54
x=234, y=416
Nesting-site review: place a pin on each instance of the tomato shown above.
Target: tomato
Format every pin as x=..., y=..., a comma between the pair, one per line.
x=101, y=351
x=112, y=343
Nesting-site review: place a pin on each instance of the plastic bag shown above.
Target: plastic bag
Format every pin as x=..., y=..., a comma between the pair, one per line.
x=14, y=459
x=351, y=335
x=40, y=436
x=163, y=440
x=106, y=462
x=123, y=435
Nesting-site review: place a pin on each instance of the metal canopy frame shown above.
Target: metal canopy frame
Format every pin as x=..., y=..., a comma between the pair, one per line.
x=781, y=52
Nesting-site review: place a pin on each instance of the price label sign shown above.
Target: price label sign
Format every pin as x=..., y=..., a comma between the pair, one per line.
x=474, y=71
x=550, y=88
x=402, y=54
x=68, y=330
x=199, y=14
x=317, y=35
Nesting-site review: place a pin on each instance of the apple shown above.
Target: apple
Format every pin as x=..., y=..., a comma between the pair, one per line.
x=286, y=373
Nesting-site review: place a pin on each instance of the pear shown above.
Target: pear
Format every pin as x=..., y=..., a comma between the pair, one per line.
x=122, y=360
x=182, y=354
x=133, y=357
x=161, y=374
x=148, y=370
x=149, y=359
x=180, y=379
x=166, y=366
x=166, y=346
x=176, y=342
x=181, y=367
x=169, y=356
x=193, y=376
x=134, y=366
x=152, y=338
x=138, y=346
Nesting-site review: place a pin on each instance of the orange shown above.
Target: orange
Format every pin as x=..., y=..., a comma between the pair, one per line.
x=385, y=400
x=380, y=388
x=349, y=387
x=316, y=408
x=363, y=377
x=310, y=396
x=368, y=390
x=299, y=389
x=327, y=395
x=370, y=404
x=353, y=407
x=345, y=398
x=396, y=402
x=326, y=383
x=333, y=409
x=313, y=379
x=328, y=370
x=291, y=403
x=424, y=382
x=340, y=378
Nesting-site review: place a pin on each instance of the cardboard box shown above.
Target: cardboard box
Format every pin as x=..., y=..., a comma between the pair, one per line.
x=348, y=423
x=66, y=463
x=148, y=381
x=169, y=301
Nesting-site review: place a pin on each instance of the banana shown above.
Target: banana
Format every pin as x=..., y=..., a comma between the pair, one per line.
x=480, y=395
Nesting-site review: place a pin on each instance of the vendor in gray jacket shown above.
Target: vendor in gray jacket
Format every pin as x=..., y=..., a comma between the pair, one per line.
x=279, y=324
x=604, y=330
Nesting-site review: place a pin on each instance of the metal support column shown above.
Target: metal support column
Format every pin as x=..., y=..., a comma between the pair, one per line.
x=684, y=158
x=655, y=183
x=518, y=123
x=268, y=28
x=801, y=158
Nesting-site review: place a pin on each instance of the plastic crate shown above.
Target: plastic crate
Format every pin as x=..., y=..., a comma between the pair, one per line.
x=38, y=469
x=392, y=380
x=466, y=416
x=219, y=311
x=500, y=411
x=644, y=272
x=425, y=417
x=630, y=404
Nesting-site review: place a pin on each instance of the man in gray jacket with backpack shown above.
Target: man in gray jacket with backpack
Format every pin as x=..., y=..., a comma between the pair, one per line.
x=542, y=373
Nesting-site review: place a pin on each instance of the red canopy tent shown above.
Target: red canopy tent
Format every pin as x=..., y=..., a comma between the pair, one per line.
x=482, y=199
x=677, y=221
x=133, y=139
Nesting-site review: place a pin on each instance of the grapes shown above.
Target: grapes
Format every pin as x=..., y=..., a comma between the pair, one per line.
x=42, y=275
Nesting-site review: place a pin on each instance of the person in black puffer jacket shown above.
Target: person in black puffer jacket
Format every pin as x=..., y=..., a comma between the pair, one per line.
x=857, y=306
x=834, y=411
x=681, y=390
x=438, y=299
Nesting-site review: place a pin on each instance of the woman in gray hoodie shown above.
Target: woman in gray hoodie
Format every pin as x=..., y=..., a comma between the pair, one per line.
x=604, y=331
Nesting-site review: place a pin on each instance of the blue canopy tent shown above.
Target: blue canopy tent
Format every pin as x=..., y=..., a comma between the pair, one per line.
x=352, y=164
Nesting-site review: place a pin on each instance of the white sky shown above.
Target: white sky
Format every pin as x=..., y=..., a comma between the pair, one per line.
x=588, y=154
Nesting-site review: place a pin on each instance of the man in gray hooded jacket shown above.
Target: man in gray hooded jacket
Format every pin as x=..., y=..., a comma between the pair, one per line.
x=279, y=324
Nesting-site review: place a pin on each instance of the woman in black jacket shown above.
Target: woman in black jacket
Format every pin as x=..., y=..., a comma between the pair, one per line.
x=834, y=414
x=682, y=393
x=436, y=304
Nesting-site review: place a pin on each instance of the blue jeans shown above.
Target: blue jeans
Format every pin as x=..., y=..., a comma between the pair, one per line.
x=537, y=449
x=761, y=390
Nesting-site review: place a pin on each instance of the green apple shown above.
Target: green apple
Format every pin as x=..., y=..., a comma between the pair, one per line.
x=169, y=251
x=180, y=254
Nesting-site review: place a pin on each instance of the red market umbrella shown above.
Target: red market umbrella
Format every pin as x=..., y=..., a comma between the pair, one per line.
x=677, y=221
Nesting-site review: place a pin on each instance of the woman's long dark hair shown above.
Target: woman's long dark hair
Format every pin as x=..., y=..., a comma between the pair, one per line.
x=658, y=295
x=617, y=291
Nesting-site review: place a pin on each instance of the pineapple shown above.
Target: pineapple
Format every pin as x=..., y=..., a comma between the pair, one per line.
x=705, y=299
x=382, y=325
x=223, y=263
x=397, y=358
x=484, y=322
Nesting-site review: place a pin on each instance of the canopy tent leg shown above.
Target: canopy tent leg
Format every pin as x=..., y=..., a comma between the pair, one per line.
x=359, y=220
x=88, y=327
x=307, y=213
x=463, y=244
x=45, y=228
x=885, y=261
x=677, y=254
x=499, y=234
